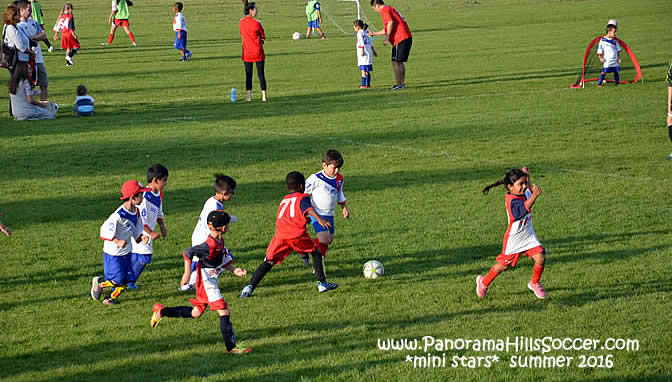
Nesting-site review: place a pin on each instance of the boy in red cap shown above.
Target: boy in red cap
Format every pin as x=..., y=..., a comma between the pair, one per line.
x=117, y=232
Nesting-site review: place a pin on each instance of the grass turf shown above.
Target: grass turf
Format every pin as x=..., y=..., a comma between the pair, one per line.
x=488, y=89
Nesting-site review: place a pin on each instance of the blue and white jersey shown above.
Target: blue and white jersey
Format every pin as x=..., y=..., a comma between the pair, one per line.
x=364, y=42
x=151, y=211
x=84, y=104
x=201, y=231
x=123, y=225
x=179, y=24
x=609, y=49
x=325, y=192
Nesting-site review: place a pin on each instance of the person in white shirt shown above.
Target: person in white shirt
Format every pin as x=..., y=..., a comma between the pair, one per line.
x=365, y=53
x=180, y=28
x=608, y=50
x=32, y=29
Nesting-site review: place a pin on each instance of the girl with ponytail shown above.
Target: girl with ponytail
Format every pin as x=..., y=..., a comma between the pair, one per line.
x=253, y=36
x=520, y=237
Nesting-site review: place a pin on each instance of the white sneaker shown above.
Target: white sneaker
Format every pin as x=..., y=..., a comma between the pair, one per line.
x=104, y=44
x=134, y=44
x=69, y=60
x=669, y=156
x=247, y=292
x=326, y=286
x=51, y=49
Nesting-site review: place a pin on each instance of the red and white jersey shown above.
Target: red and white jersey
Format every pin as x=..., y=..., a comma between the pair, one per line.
x=123, y=225
x=179, y=24
x=151, y=211
x=325, y=192
x=65, y=24
x=292, y=214
x=520, y=235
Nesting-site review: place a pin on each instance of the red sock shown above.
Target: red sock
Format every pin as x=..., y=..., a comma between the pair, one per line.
x=130, y=35
x=536, y=273
x=490, y=276
x=109, y=41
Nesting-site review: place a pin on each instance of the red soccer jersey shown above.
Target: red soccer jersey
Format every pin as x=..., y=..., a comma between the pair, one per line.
x=400, y=30
x=292, y=214
x=65, y=24
x=252, y=33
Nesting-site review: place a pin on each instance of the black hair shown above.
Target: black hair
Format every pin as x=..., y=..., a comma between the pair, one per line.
x=156, y=171
x=333, y=156
x=82, y=90
x=611, y=26
x=21, y=72
x=224, y=183
x=377, y=2
x=179, y=6
x=510, y=178
x=218, y=218
x=361, y=24
x=295, y=180
x=248, y=7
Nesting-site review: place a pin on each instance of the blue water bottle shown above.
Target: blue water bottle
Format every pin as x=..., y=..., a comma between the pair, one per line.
x=233, y=95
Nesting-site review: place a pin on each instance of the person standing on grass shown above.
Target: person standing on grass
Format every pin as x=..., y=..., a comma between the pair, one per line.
x=69, y=39
x=314, y=18
x=120, y=18
x=32, y=29
x=253, y=36
x=38, y=16
x=669, y=104
x=398, y=34
x=180, y=28
x=520, y=237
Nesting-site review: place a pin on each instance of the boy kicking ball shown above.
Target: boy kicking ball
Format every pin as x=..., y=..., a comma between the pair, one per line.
x=214, y=259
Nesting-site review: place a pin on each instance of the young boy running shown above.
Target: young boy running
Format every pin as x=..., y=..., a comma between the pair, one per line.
x=214, y=259
x=122, y=227
x=291, y=235
x=151, y=213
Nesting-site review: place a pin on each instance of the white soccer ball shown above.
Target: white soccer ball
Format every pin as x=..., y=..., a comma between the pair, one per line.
x=613, y=22
x=296, y=36
x=373, y=269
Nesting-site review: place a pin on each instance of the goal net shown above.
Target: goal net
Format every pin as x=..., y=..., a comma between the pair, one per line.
x=338, y=16
x=592, y=67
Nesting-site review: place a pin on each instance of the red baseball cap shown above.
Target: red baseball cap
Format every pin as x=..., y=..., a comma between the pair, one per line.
x=132, y=187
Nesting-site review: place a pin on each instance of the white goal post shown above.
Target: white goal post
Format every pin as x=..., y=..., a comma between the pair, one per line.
x=341, y=13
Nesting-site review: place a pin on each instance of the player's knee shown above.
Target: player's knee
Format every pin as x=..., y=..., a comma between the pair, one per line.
x=224, y=312
x=196, y=313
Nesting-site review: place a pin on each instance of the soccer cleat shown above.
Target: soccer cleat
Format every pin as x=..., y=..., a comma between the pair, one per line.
x=481, y=290
x=96, y=289
x=51, y=49
x=134, y=44
x=104, y=43
x=247, y=292
x=239, y=350
x=324, y=37
x=538, y=289
x=185, y=288
x=110, y=301
x=400, y=87
x=306, y=259
x=669, y=156
x=395, y=87
x=184, y=58
x=188, y=55
x=68, y=60
x=363, y=87
x=131, y=286
x=326, y=286
x=156, y=315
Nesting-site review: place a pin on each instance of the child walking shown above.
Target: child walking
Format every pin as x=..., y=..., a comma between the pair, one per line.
x=118, y=231
x=520, y=237
x=365, y=51
x=66, y=27
x=291, y=235
x=151, y=213
x=608, y=50
x=180, y=28
x=214, y=259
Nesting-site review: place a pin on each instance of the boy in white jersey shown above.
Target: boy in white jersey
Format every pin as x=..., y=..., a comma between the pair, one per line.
x=326, y=191
x=118, y=231
x=225, y=188
x=151, y=213
x=608, y=50
x=180, y=28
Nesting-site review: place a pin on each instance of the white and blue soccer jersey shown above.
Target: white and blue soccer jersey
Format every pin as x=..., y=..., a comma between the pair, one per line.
x=609, y=50
x=201, y=231
x=325, y=192
x=364, y=42
x=179, y=23
x=151, y=211
x=520, y=235
x=123, y=225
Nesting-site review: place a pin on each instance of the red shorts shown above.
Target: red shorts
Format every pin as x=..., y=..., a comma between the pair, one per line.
x=207, y=292
x=512, y=260
x=121, y=23
x=68, y=41
x=279, y=249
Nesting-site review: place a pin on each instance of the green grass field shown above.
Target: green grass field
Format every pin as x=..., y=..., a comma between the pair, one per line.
x=488, y=90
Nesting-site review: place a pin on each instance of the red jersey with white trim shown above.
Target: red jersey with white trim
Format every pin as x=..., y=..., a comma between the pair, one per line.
x=400, y=30
x=212, y=254
x=291, y=219
x=252, y=33
x=520, y=235
x=65, y=24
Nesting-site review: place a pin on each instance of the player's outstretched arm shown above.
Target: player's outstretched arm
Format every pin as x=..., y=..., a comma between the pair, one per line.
x=237, y=271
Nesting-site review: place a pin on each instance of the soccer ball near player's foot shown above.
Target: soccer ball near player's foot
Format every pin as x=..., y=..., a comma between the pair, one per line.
x=373, y=269
x=296, y=36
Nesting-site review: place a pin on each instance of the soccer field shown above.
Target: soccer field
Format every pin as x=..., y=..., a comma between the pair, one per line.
x=488, y=90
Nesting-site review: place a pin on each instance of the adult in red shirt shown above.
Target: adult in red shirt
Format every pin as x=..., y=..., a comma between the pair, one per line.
x=291, y=235
x=398, y=34
x=252, y=33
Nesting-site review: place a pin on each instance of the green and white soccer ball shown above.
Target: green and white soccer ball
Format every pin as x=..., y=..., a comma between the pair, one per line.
x=373, y=269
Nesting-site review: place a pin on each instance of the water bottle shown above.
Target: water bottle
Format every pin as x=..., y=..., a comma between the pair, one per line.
x=233, y=95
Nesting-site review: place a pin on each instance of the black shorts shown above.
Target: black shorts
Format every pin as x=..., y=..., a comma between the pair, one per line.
x=401, y=51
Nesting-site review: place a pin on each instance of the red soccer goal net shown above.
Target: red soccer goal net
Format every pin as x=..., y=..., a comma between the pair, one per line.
x=592, y=67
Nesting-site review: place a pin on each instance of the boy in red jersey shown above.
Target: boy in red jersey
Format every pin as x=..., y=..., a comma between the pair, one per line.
x=397, y=33
x=291, y=235
x=214, y=259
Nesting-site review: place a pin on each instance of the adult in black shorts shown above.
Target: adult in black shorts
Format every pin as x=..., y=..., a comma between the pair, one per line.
x=398, y=34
